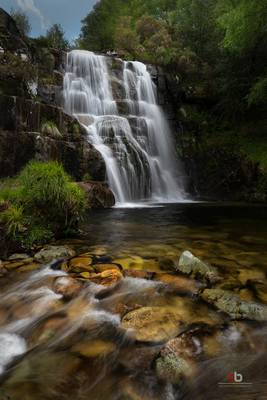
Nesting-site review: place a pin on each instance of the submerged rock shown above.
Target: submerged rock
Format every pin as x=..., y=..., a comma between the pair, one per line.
x=232, y=305
x=193, y=266
x=176, y=359
x=153, y=324
x=51, y=253
x=67, y=287
x=173, y=369
x=94, y=348
x=178, y=284
x=106, y=278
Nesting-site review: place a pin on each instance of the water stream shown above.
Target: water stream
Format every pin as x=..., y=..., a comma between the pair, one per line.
x=53, y=348
x=118, y=106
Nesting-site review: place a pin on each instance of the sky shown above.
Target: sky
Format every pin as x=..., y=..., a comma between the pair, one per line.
x=43, y=13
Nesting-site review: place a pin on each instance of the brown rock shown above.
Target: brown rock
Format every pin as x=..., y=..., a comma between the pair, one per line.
x=153, y=324
x=107, y=278
x=67, y=287
x=139, y=274
x=106, y=267
x=178, y=283
x=98, y=194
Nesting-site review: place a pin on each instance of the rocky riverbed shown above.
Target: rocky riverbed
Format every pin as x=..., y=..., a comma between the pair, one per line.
x=86, y=325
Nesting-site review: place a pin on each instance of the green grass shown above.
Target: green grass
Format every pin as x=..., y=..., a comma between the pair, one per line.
x=42, y=203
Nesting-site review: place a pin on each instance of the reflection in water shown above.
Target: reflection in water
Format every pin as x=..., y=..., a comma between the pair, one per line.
x=53, y=348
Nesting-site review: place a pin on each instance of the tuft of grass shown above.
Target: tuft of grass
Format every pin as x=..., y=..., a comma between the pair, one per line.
x=42, y=204
x=14, y=220
x=50, y=128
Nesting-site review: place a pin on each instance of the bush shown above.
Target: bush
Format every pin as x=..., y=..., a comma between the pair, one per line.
x=44, y=203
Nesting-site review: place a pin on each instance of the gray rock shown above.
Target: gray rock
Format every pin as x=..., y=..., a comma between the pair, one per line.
x=191, y=265
x=52, y=253
x=232, y=305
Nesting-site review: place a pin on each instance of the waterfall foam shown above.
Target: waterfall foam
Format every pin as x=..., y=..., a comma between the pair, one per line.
x=129, y=129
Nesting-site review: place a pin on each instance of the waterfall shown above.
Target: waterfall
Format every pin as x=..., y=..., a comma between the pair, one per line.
x=117, y=105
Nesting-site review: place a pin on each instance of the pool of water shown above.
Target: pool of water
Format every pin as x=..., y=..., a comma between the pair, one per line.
x=221, y=233
x=53, y=349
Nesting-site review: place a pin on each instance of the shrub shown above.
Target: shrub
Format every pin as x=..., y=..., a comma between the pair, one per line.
x=44, y=203
x=14, y=220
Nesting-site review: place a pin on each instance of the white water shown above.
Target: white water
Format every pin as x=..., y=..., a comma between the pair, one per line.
x=135, y=142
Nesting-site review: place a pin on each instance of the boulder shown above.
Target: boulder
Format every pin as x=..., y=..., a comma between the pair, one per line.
x=193, y=266
x=98, y=194
x=51, y=253
x=153, y=324
x=232, y=305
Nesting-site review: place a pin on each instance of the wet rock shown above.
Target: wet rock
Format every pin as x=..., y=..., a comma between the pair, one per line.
x=67, y=287
x=49, y=330
x=51, y=253
x=178, y=284
x=166, y=264
x=98, y=194
x=29, y=267
x=261, y=290
x=80, y=264
x=250, y=274
x=153, y=324
x=16, y=257
x=138, y=357
x=232, y=305
x=139, y=274
x=95, y=348
x=183, y=346
x=173, y=368
x=106, y=267
x=107, y=277
x=191, y=265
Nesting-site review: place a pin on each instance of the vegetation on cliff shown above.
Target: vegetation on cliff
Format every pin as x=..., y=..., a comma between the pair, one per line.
x=216, y=53
x=40, y=203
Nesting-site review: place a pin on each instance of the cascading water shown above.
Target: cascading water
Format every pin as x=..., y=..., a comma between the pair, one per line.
x=125, y=124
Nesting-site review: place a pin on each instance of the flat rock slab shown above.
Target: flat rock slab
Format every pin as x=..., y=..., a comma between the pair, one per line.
x=153, y=324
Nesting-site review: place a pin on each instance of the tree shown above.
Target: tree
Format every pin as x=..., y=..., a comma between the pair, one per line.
x=22, y=22
x=55, y=37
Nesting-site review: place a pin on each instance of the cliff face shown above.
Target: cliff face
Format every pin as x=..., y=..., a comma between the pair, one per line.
x=32, y=124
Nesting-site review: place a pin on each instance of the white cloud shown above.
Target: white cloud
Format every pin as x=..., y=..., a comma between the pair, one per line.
x=30, y=6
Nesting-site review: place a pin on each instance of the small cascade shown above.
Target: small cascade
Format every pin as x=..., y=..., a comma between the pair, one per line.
x=118, y=107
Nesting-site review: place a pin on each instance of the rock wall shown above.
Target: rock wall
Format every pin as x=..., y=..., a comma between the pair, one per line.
x=25, y=135
x=33, y=125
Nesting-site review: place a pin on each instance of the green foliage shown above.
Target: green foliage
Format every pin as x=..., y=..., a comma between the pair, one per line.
x=36, y=236
x=87, y=177
x=14, y=220
x=44, y=203
x=54, y=38
x=218, y=47
x=50, y=128
x=258, y=92
x=22, y=22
